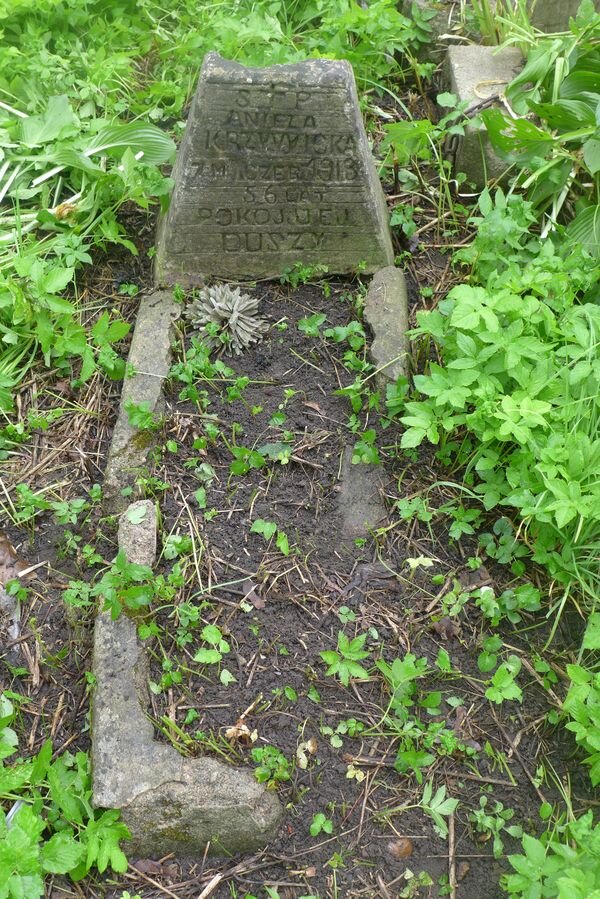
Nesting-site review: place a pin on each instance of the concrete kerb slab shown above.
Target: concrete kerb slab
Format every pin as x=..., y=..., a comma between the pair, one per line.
x=170, y=804
x=149, y=361
x=386, y=313
x=475, y=73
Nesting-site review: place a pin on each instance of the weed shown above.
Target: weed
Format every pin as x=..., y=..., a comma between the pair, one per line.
x=492, y=821
x=345, y=662
x=268, y=530
x=51, y=827
x=320, y=824
x=272, y=766
x=503, y=684
x=564, y=862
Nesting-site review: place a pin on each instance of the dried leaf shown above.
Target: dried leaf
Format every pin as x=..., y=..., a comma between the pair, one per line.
x=473, y=580
x=148, y=866
x=252, y=596
x=308, y=746
x=462, y=871
x=10, y=565
x=241, y=733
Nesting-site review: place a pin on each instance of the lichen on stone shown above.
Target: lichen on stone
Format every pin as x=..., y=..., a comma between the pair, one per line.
x=227, y=319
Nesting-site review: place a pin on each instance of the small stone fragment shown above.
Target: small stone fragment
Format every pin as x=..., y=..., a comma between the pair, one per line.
x=400, y=848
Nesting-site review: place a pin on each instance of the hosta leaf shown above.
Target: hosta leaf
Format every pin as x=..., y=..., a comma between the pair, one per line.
x=591, y=155
x=585, y=229
x=156, y=146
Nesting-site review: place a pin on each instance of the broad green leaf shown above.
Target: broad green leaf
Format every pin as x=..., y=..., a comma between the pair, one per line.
x=591, y=154
x=591, y=638
x=56, y=279
x=156, y=146
x=136, y=514
x=61, y=853
x=585, y=229
x=208, y=656
x=57, y=120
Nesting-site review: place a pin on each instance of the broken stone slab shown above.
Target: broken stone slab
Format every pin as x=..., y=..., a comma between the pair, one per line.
x=474, y=74
x=360, y=500
x=149, y=361
x=171, y=804
x=274, y=169
x=386, y=312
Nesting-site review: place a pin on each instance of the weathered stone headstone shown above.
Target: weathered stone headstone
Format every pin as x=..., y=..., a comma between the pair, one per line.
x=274, y=169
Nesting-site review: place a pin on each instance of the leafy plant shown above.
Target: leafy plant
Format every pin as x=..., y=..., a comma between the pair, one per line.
x=125, y=585
x=216, y=648
x=559, y=159
x=345, y=662
x=272, y=768
x=582, y=705
x=51, y=827
x=492, y=821
x=268, y=529
x=564, y=863
x=438, y=806
x=503, y=684
x=519, y=373
x=320, y=824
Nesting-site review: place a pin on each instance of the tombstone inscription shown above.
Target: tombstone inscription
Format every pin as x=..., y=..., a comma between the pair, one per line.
x=274, y=169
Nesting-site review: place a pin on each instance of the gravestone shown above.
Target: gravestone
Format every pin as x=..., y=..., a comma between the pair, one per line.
x=274, y=169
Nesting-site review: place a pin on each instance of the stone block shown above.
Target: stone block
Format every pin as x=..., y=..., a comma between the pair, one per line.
x=554, y=15
x=274, y=169
x=361, y=504
x=386, y=312
x=475, y=73
x=170, y=804
x=149, y=361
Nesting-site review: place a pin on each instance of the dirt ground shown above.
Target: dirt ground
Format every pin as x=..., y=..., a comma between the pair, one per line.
x=277, y=612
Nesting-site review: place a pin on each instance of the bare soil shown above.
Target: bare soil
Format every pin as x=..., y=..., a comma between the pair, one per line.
x=277, y=612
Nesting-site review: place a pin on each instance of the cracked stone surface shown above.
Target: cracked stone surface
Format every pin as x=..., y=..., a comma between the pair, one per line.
x=170, y=803
x=149, y=360
x=386, y=311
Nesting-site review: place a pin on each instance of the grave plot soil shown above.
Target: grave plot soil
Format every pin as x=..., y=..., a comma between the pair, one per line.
x=276, y=613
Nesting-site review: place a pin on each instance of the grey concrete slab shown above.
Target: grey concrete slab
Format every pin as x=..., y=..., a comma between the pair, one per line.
x=149, y=361
x=170, y=804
